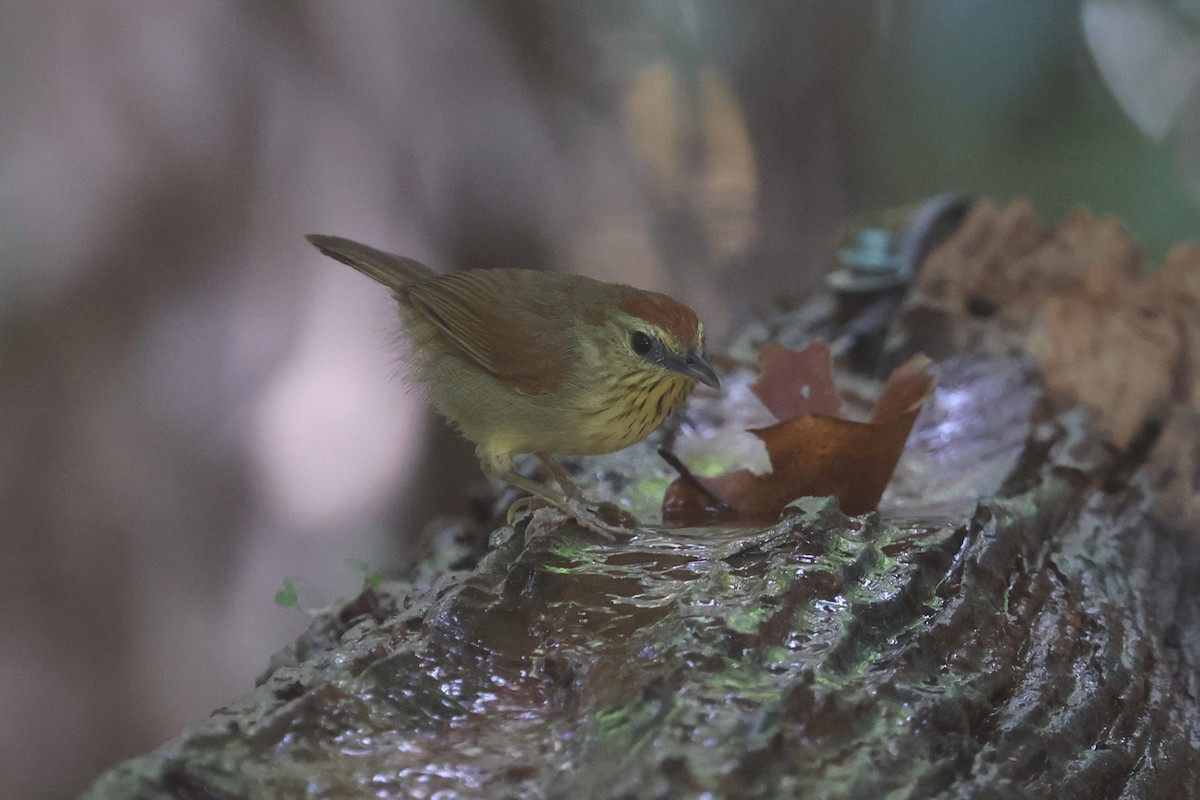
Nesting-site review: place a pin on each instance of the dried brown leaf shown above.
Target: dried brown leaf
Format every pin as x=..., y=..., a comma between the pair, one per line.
x=794, y=382
x=812, y=455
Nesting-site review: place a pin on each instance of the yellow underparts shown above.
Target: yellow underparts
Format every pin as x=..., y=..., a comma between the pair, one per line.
x=635, y=406
x=609, y=415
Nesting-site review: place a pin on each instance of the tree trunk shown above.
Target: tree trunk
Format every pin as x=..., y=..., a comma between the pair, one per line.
x=1020, y=618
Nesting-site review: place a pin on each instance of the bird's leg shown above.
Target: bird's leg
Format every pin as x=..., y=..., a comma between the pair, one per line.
x=560, y=477
x=539, y=490
x=572, y=502
x=580, y=506
x=501, y=468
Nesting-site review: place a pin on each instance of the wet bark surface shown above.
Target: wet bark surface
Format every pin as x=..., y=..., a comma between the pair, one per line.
x=1020, y=618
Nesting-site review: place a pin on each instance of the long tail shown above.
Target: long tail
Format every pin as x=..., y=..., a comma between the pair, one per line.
x=393, y=271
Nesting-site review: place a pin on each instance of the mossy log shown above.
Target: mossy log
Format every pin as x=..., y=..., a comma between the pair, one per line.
x=1020, y=618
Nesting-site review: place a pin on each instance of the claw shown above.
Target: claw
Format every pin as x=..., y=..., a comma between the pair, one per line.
x=522, y=504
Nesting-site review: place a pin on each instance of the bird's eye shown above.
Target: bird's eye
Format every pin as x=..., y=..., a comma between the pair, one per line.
x=640, y=342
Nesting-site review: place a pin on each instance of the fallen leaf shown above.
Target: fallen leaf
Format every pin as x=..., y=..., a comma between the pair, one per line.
x=905, y=390
x=796, y=382
x=811, y=455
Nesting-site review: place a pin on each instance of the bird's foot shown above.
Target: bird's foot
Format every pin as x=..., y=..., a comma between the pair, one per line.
x=605, y=519
x=523, y=504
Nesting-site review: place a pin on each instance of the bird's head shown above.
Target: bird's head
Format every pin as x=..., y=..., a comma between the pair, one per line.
x=657, y=338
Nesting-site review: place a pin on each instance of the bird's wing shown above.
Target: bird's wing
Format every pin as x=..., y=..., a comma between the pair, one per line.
x=522, y=337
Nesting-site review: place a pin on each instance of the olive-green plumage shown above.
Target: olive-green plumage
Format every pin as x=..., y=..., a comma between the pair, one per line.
x=533, y=362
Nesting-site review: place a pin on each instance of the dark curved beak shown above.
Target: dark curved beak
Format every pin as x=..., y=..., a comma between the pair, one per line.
x=693, y=365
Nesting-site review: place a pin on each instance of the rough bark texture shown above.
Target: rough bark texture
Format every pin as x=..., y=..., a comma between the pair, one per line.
x=1021, y=617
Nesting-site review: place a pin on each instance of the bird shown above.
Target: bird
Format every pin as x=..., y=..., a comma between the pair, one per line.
x=528, y=362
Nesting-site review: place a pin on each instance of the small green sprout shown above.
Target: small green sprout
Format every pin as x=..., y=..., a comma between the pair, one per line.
x=288, y=596
x=371, y=578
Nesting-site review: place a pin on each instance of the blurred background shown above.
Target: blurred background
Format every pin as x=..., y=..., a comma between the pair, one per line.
x=195, y=405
